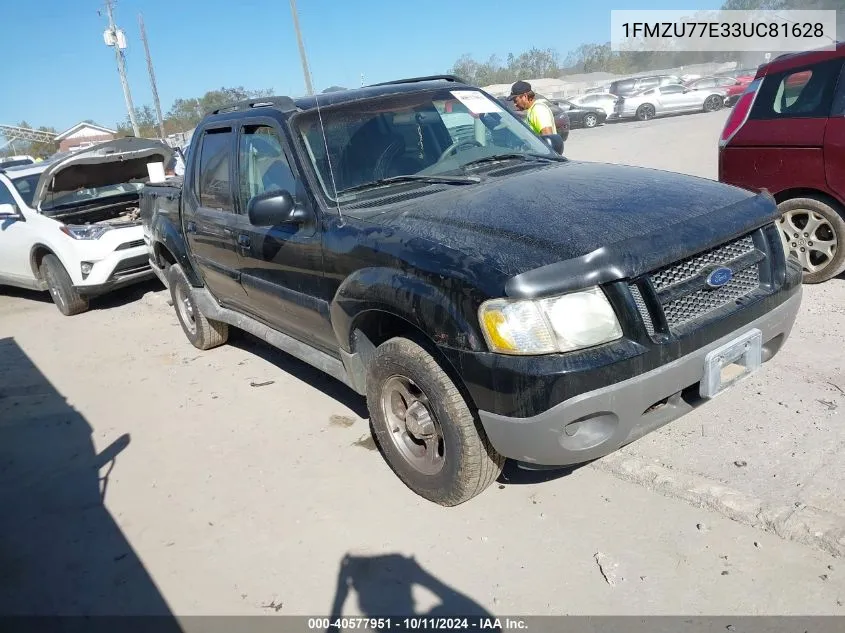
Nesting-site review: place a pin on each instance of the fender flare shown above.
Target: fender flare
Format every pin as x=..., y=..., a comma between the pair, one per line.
x=173, y=241
x=429, y=308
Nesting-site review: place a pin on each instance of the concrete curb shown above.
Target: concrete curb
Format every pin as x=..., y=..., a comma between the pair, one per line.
x=800, y=523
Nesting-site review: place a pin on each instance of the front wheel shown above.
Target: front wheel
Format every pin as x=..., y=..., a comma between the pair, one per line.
x=814, y=232
x=60, y=285
x=591, y=120
x=428, y=435
x=646, y=112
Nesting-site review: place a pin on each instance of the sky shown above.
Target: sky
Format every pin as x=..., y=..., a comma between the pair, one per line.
x=57, y=70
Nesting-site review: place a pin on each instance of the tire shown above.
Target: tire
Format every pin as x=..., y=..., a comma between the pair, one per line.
x=65, y=296
x=204, y=333
x=645, y=112
x=802, y=220
x=591, y=120
x=713, y=103
x=463, y=464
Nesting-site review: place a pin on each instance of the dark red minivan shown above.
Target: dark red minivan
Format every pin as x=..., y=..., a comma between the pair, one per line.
x=786, y=134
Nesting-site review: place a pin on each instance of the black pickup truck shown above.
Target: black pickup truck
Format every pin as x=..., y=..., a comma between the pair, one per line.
x=490, y=298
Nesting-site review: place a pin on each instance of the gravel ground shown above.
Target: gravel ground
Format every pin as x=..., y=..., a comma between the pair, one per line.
x=140, y=475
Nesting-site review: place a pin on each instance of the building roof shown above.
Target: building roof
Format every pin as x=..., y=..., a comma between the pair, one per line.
x=83, y=124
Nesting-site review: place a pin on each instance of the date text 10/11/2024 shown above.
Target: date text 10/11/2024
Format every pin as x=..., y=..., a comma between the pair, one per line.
x=416, y=623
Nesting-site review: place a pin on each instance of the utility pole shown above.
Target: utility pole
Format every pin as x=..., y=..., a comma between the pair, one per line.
x=152, y=76
x=305, y=70
x=115, y=38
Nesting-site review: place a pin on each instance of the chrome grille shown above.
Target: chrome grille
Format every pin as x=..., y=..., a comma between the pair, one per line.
x=701, y=302
x=681, y=290
x=643, y=310
x=132, y=244
x=689, y=268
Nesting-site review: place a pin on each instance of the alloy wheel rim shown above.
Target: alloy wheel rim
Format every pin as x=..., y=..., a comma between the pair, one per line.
x=186, y=308
x=412, y=426
x=809, y=237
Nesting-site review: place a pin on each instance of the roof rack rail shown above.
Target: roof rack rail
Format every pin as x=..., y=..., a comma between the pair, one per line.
x=454, y=78
x=284, y=103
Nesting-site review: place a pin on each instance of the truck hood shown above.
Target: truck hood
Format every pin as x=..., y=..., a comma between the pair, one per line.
x=111, y=163
x=622, y=220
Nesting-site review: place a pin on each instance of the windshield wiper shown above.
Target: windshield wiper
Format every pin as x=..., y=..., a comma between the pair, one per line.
x=446, y=180
x=520, y=156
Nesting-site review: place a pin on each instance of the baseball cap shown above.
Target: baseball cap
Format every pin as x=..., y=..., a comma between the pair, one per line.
x=519, y=88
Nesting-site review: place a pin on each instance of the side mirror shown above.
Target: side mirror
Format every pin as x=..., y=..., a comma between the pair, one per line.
x=8, y=211
x=274, y=207
x=554, y=141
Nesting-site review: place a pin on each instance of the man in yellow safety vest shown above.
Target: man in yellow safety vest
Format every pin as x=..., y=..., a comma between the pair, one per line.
x=538, y=113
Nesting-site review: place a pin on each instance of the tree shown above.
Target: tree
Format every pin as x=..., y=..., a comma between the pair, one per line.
x=184, y=114
x=535, y=63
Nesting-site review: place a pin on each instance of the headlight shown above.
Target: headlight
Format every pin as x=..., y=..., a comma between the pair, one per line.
x=545, y=326
x=85, y=231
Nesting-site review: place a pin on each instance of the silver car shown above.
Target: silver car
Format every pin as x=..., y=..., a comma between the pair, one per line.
x=603, y=100
x=668, y=100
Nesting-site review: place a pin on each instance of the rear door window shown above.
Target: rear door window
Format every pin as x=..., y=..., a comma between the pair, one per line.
x=799, y=93
x=214, y=188
x=838, y=108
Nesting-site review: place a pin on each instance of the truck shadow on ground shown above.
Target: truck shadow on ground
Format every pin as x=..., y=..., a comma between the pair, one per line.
x=383, y=585
x=513, y=475
x=61, y=552
x=301, y=370
x=127, y=295
x=114, y=299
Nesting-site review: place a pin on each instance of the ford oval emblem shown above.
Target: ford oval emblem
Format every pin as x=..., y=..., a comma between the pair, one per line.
x=719, y=277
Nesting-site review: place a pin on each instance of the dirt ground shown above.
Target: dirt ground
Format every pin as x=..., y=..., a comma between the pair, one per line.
x=140, y=475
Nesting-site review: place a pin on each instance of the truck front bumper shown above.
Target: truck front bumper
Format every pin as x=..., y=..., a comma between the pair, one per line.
x=595, y=423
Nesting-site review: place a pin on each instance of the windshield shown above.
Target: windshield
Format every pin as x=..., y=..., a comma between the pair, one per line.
x=425, y=133
x=26, y=187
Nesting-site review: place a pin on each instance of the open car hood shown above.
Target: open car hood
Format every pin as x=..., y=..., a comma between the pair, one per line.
x=110, y=163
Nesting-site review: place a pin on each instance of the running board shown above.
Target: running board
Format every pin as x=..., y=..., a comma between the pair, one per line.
x=208, y=305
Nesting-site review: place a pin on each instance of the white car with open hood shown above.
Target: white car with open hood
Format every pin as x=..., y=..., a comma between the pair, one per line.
x=71, y=224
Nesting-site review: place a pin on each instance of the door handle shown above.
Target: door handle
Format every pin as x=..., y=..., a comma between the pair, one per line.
x=191, y=227
x=244, y=241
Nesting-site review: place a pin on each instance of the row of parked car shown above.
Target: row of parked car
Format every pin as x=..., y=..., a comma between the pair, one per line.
x=646, y=97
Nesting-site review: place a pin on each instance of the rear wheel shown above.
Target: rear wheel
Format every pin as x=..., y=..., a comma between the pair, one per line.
x=65, y=296
x=814, y=232
x=204, y=333
x=713, y=103
x=591, y=120
x=428, y=434
x=646, y=112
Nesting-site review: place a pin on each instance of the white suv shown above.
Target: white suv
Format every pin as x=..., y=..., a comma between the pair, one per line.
x=71, y=224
